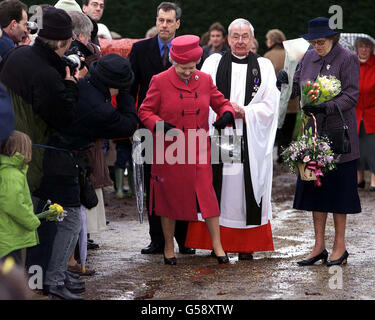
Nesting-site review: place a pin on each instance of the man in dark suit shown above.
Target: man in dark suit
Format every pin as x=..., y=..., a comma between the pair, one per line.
x=150, y=57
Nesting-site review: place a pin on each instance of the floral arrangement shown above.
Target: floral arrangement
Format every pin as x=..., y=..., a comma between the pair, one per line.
x=312, y=155
x=323, y=89
x=55, y=212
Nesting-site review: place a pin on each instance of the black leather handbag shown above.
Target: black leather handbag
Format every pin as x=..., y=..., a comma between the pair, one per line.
x=88, y=196
x=340, y=142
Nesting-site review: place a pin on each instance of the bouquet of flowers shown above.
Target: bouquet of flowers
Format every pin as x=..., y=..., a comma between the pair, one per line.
x=55, y=212
x=312, y=155
x=323, y=89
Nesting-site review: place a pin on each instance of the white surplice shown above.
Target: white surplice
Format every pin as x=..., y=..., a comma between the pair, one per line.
x=261, y=116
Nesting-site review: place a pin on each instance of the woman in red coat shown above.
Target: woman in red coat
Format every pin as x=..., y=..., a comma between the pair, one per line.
x=181, y=174
x=365, y=110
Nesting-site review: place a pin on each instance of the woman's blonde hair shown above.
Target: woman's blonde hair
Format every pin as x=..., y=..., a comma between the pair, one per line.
x=18, y=142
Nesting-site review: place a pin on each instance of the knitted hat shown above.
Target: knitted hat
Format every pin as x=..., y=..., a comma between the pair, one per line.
x=186, y=49
x=68, y=5
x=57, y=24
x=113, y=71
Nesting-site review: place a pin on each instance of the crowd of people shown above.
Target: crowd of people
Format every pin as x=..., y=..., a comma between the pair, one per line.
x=66, y=128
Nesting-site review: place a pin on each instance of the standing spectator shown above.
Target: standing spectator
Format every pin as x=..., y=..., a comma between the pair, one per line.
x=148, y=58
x=110, y=75
x=276, y=54
x=338, y=193
x=365, y=111
x=6, y=115
x=217, y=42
x=13, y=21
x=254, y=46
x=94, y=9
x=18, y=223
x=244, y=189
x=68, y=6
x=44, y=96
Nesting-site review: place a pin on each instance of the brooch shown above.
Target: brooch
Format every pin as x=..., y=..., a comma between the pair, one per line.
x=328, y=66
x=196, y=77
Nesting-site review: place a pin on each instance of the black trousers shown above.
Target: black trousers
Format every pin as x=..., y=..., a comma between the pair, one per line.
x=16, y=255
x=156, y=231
x=41, y=253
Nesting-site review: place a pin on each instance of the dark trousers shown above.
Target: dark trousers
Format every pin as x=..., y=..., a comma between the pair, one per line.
x=285, y=134
x=16, y=255
x=41, y=253
x=156, y=231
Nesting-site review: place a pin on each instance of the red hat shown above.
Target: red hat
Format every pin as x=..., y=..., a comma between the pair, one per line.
x=186, y=49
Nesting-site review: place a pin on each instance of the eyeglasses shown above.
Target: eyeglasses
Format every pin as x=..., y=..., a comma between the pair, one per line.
x=95, y=5
x=245, y=37
x=317, y=42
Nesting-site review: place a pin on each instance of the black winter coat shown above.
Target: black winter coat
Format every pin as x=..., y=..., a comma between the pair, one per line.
x=41, y=97
x=96, y=118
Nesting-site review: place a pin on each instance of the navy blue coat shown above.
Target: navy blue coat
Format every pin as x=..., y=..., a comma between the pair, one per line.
x=6, y=114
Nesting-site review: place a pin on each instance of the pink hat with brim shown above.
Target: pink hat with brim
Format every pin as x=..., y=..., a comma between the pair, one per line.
x=186, y=49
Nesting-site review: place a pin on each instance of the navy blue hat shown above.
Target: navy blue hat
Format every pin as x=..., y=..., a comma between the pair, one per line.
x=318, y=28
x=113, y=70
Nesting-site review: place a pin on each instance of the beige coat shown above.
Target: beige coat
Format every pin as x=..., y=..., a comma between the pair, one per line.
x=277, y=57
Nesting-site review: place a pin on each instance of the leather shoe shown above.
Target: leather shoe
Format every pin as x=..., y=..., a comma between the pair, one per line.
x=309, y=262
x=74, y=281
x=186, y=250
x=170, y=261
x=222, y=259
x=153, y=248
x=61, y=292
x=245, y=256
x=342, y=260
x=92, y=245
x=72, y=275
x=74, y=287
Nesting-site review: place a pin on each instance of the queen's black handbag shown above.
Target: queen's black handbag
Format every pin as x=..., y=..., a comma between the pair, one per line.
x=339, y=138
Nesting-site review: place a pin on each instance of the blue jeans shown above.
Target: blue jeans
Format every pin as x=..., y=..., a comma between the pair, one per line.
x=63, y=246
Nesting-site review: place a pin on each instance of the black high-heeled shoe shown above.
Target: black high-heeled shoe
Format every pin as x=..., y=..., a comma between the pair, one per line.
x=222, y=259
x=170, y=261
x=321, y=256
x=342, y=260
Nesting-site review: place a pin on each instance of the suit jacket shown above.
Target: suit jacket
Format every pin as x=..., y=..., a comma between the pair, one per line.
x=146, y=62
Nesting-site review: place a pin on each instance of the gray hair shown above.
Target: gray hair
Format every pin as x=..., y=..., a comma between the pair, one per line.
x=81, y=23
x=241, y=23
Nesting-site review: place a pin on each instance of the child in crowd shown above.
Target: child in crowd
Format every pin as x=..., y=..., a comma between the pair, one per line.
x=18, y=223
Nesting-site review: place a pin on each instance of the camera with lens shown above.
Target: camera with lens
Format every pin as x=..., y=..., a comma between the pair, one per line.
x=32, y=27
x=72, y=59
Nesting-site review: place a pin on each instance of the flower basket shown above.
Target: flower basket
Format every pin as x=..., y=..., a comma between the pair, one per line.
x=306, y=173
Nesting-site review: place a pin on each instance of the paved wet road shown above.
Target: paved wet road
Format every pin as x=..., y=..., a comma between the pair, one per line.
x=124, y=274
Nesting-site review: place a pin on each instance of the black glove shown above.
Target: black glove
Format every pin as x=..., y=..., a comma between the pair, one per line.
x=282, y=77
x=320, y=108
x=167, y=126
x=223, y=121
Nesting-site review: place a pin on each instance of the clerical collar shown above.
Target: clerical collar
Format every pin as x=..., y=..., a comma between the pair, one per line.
x=240, y=60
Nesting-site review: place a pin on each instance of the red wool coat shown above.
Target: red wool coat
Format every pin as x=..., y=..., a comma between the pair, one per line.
x=365, y=109
x=174, y=188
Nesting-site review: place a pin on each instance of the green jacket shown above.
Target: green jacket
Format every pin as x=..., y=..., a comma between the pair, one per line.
x=18, y=223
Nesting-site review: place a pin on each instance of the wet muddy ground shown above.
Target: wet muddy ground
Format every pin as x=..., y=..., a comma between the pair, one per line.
x=122, y=273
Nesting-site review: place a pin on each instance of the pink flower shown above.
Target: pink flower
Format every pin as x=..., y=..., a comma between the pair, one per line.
x=306, y=159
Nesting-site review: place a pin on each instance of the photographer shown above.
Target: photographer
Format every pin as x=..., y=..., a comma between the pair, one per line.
x=96, y=118
x=44, y=95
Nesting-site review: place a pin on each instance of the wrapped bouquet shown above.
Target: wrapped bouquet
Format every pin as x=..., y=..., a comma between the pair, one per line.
x=55, y=212
x=323, y=89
